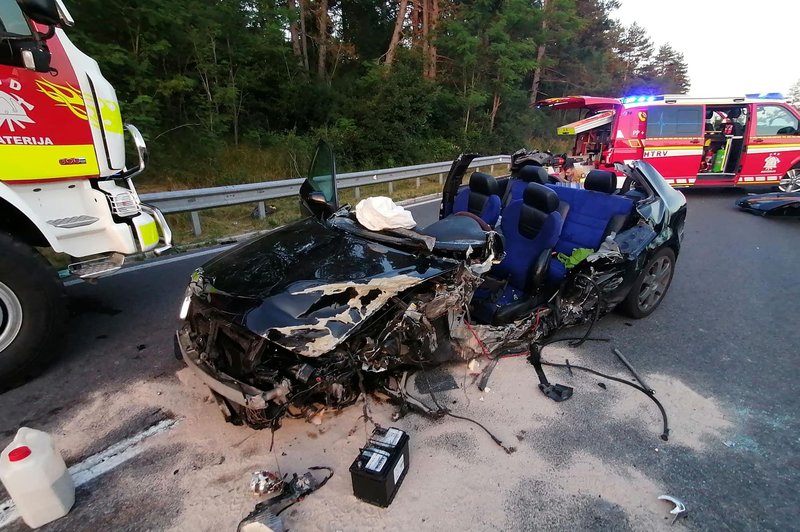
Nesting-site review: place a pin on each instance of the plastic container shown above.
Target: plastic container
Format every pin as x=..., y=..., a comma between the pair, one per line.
x=36, y=478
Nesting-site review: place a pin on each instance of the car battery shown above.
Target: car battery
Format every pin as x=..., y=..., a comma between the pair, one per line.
x=381, y=466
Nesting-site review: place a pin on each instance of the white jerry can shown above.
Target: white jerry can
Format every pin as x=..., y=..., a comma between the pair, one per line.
x=36, y=477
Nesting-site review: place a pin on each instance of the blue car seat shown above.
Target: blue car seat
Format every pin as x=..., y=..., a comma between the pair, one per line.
x=481, y=198
x=527, y=174
x=593, y=214
x=531, y=226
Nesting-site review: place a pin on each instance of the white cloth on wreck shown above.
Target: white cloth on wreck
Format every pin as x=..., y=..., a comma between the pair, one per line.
x=380, y=212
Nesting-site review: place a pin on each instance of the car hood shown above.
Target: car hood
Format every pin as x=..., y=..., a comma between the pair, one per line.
x=772, y=204
x=307, y=286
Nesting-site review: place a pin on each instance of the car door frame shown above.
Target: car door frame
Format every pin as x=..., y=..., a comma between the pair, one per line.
x=319, y=195
x=677, y=158
x=759, y=148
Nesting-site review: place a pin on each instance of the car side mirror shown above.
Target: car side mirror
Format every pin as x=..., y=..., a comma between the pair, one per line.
x=41, y=11
x=317, y=198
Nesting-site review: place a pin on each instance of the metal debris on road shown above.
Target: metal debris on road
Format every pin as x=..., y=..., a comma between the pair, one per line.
x=679, y=510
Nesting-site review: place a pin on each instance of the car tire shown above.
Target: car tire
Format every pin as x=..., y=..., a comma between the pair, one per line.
x=32, y=312
x=791, y=181
x=651, y=286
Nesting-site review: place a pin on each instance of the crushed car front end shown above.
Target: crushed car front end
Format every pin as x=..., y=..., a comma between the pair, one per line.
x=300, y=321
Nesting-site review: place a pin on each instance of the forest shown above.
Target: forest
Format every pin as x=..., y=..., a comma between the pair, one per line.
x=228, y=91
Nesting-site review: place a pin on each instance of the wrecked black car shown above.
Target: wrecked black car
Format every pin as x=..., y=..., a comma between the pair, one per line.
x=771, y=204
x=311, y=316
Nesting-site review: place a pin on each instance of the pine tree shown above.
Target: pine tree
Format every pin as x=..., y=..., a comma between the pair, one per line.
x=670, y=70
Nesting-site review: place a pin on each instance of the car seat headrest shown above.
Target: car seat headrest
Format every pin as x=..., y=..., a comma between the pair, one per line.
x=533, y=174
x=540, y=197
x=484, y=184
x=601, y=181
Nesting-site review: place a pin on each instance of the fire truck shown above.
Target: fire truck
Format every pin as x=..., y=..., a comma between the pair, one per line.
x=736, y=141
x=64, y=181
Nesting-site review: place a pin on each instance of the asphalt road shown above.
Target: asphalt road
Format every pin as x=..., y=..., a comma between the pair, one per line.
x=726, y=329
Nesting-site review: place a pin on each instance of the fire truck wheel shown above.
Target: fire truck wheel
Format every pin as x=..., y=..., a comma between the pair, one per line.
x=650, y=287
x=32, y=312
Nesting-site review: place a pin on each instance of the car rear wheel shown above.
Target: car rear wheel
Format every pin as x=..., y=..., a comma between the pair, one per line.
x=791, y=181
x=651, y=286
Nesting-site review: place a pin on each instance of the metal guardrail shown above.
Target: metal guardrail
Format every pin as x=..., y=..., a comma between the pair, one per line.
x=195, y=200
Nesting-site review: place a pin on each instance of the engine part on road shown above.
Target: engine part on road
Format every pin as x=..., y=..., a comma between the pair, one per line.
x=633, y=371
x=556, y=392
x=266, y=483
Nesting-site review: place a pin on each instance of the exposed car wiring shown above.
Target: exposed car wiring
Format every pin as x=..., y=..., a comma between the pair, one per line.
x=665, y=432
x=442, y=411
x=595, y=316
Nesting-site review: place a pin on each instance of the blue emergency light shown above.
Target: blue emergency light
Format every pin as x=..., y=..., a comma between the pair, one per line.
x=766, y=96
x=641, y=99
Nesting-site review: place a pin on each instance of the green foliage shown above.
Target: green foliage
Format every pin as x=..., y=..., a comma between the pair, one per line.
x=213, y=82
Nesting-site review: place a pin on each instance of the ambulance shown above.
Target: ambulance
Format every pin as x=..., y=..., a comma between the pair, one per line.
x=700, y=142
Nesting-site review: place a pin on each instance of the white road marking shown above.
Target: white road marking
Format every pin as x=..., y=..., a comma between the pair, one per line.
x=97, y=464
x=154, y=263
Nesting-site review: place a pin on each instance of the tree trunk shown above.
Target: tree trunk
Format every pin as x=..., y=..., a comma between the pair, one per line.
x=540, y=54
x=398, y=31
x=322, y=24
x=294, y=32
x=426, y=43
x=496, y=102
x=303, y=37
x=432, y=52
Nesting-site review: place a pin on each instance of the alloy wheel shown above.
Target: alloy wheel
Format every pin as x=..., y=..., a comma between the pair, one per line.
x=655, y=283
x=791, y=181
x=10, y=316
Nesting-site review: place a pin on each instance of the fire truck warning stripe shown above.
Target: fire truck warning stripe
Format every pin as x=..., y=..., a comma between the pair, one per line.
x=30, y=163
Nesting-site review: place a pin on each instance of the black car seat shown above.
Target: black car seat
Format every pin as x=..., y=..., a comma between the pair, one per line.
x=738, y=129
x=481, y=198
x=709, y=122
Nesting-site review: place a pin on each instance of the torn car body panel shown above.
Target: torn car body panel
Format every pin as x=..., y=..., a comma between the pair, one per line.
x=772, y=204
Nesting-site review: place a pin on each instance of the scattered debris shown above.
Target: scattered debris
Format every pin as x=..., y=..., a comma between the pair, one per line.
x=265, y=517
x=266, y=483
x=679, y=510
x=261, y=519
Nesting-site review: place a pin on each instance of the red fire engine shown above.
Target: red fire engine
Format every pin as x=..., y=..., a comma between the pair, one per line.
x=748, y=140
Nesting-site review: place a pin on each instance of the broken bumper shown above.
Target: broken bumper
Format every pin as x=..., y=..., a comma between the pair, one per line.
x=228, y=387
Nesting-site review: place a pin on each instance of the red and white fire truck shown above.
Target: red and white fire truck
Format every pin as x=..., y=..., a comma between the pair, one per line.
x=747, y=140
x=64, y=182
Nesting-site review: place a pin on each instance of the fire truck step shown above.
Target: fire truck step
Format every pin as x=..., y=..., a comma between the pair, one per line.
x=91, y=269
